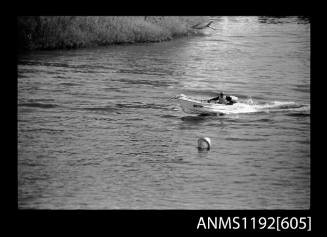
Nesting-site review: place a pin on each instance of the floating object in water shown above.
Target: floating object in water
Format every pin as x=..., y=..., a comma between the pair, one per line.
x=204, y=143
x=201, y=26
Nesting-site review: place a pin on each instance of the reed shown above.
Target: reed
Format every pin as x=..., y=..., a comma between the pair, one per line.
x=66, y=32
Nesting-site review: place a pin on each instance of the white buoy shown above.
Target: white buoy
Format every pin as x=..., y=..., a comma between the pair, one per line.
x=204, y=143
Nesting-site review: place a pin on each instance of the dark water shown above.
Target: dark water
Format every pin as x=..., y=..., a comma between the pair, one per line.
x=97, y=128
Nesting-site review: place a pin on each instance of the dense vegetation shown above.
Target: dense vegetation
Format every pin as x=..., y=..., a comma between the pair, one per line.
x=65, y=32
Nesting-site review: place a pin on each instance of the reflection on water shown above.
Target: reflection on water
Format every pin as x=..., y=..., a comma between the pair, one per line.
x=97, y=128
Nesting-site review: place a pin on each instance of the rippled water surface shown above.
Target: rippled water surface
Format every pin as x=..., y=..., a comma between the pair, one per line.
x=99, y=128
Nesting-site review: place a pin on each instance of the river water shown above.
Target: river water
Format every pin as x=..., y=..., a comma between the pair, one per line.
x=99, y=128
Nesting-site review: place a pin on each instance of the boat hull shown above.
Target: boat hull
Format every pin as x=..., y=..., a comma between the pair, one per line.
x=193, y=106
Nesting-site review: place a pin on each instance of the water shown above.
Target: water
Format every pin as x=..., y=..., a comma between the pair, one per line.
x=98, y=128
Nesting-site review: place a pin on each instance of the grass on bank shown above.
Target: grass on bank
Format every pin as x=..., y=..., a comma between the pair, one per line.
x=66, y=32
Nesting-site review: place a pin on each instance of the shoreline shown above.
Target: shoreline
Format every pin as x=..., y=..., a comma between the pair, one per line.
x=75, y=32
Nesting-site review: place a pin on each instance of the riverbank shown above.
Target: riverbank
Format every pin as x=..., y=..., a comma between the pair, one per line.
x=67, y=32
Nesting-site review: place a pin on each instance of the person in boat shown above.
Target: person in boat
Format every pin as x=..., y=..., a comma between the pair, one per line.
x=229, y=100
x=220, y=99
